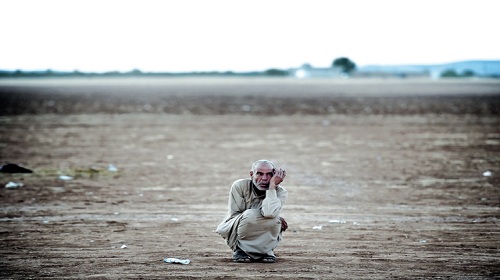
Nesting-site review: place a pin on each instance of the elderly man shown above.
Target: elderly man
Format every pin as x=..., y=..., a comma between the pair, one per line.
x=252, y=226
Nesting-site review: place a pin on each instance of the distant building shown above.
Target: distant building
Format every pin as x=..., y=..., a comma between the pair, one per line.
x=476, y=68
x=479, y=68
x=307, y=71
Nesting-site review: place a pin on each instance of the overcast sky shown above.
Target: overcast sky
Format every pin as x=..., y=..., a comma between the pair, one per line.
x=222, y=35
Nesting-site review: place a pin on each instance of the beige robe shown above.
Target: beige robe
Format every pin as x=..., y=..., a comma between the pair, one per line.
x=252, y=223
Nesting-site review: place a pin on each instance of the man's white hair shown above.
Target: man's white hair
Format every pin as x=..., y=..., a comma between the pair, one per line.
x=260, y=162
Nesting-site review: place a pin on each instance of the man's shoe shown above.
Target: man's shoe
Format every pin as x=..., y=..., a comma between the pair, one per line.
x=241, y=257
x=268, y=259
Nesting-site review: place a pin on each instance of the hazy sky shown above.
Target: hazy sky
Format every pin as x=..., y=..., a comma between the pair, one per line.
x=221, y=35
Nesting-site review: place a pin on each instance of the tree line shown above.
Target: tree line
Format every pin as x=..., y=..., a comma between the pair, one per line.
x=342, y=64
x=345, y=64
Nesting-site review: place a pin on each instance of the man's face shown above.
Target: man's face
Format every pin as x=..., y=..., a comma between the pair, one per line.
x=262, y=175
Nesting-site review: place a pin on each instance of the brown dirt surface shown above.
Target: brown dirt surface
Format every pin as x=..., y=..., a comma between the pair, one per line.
x=385, y=177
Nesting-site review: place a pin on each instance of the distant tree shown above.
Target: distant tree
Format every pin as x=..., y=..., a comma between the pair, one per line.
x=468, y=73
x=345, y=64
x=111, y=73
x=449, y=73
x=276, y=72
x=135, y=72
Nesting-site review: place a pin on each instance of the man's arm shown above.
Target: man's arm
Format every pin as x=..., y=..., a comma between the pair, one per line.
x=272, y=204
x=236, y=201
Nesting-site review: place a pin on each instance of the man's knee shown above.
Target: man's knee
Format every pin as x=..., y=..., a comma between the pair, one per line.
x=251, y=216
x=252, y=222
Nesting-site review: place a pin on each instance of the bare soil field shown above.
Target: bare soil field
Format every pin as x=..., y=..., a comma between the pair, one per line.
x=387, y=179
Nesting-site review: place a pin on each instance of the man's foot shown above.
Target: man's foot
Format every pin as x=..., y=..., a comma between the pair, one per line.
x=268, y=259
x=241, y=257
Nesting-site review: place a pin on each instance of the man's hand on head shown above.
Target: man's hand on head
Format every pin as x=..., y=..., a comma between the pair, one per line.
x=278, y=177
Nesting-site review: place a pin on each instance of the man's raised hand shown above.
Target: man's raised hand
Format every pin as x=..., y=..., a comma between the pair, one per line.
x=279, y=176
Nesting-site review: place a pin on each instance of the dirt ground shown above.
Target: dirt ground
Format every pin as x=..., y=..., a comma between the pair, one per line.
x=386, y=178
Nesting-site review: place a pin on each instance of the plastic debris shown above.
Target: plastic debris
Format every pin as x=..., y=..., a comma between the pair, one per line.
x=123, y=246
x=487, y=173
x=246, y=108
x=318, y=227
x=337, y=222
x=13, y=185
x=176, y=260
x=170, y=157
x=423, y=241
x=14, y=168
x=174, y=219
x=65, y=178
x=112, y=168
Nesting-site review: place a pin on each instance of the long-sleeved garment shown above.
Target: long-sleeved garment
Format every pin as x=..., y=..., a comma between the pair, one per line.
x=252, y=222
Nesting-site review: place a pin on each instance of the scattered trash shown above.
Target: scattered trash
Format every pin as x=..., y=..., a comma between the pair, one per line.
x=174, y=219
x=13, y=185
x=123, y=246
x=112, y=168
x=246, y=108
x=487, y=173
x=176, y=260
x=170, y=157
x=65, y=178
x=318, y=227
x=423, y=241
x=14, y=168
x=355, y=223
x=337, y=222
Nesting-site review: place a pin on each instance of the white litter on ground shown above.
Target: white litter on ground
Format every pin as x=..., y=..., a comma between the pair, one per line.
x=112, y=168
x=176, y=260
x=13, y=185
x=487, y=173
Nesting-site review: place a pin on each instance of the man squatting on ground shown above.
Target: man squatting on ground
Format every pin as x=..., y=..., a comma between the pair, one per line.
x=252, y=226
